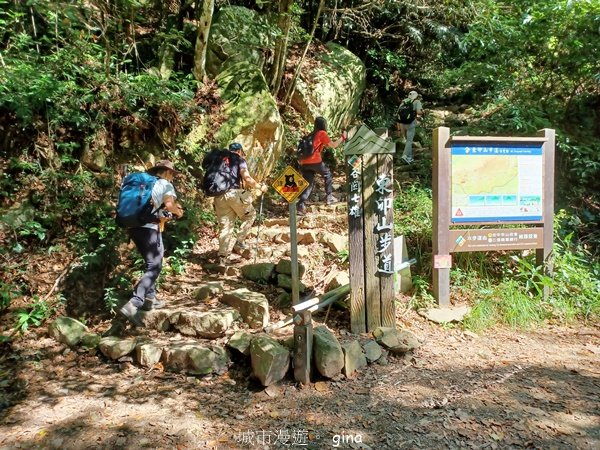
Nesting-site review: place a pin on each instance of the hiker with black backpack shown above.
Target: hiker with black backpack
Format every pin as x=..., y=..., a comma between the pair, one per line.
x=311, y=163
x=409, y=112
x=146, y=202
x=228, y=180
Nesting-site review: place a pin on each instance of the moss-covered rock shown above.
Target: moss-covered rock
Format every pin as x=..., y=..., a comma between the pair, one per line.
x=67, y=331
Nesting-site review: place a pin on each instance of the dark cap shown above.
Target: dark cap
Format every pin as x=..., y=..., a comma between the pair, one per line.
x=235, y=147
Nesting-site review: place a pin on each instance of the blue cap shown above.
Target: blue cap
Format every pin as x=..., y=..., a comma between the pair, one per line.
x=235, y=147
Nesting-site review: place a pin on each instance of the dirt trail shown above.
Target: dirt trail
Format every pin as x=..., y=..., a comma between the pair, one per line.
x=501, y=389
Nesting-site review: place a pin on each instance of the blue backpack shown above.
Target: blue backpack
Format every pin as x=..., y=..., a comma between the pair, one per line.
x=135, y=207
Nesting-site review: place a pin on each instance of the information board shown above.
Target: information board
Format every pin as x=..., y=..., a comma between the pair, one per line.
x=496, y=182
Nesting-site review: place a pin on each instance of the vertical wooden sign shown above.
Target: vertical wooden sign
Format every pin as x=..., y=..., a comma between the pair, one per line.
x=369, y=160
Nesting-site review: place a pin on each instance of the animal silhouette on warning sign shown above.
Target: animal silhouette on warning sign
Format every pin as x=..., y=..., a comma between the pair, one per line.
x=290, y=183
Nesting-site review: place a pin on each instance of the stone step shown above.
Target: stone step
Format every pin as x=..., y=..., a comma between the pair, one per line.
x=269, y=355
x=317, y=216
x=180, y=355
x=209, y=312
x=191, y=322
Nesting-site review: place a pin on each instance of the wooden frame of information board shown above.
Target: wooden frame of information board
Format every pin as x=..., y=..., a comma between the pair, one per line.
x=463, y=226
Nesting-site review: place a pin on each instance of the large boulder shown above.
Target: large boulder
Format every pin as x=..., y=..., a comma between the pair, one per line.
x=335, y=88
x=240, y=41
x=253, y=118
x=237, y=34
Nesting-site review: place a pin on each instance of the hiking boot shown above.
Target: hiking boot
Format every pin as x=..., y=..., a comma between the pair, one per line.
x=300, y=210
x=407, y=160
x=130, y=312
x=331, y=199
x=152, y=303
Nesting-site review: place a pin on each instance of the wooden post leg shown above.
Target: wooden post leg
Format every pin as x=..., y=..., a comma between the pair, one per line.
x=544, y=255
x=303, y=339
x=441, y=213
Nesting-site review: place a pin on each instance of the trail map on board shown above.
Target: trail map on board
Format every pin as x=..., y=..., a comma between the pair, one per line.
x=493, y=183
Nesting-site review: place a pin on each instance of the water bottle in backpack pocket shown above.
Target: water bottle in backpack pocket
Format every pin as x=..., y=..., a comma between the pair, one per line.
x=135, y=207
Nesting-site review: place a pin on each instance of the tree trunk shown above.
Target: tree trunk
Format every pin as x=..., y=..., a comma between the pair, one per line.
x=284, y=22
x=166, y=52
x=204, y=24
x=292, y=86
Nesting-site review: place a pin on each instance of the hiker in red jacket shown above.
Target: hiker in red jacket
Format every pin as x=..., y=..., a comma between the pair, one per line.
x=314, y=164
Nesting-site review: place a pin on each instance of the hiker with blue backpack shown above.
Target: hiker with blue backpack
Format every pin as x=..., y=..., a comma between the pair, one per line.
x=409, y=112
x=311, y=162
x=146, y=202
x=227, y=179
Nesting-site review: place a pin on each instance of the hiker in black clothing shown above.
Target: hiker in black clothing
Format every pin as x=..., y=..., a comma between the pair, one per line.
x=148, y=240
x=408, y=130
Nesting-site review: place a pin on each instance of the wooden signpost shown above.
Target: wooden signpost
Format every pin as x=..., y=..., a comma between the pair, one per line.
x=370, y=162
x=483, y=181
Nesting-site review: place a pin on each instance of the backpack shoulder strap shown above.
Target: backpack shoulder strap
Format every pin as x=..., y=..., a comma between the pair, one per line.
x=238, y=160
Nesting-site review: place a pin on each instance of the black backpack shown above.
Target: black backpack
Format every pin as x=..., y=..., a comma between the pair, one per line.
x=219, y=177
x=406, y=112
x=305, y=147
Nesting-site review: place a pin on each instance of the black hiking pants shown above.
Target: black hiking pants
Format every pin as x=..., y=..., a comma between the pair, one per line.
x=149, y=243
x=308, y=172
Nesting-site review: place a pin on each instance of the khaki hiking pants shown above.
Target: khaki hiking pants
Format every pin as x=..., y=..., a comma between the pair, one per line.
x=237, y=203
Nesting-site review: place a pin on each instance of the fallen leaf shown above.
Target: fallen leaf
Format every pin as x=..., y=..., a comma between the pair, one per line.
x=272, y=391
x=321, y=386
x=497, y=436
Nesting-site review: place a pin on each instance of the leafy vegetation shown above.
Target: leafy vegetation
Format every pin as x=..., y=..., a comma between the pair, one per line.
x=86, y=86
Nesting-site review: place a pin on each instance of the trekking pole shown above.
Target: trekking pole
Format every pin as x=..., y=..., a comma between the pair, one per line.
x=262, y=197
